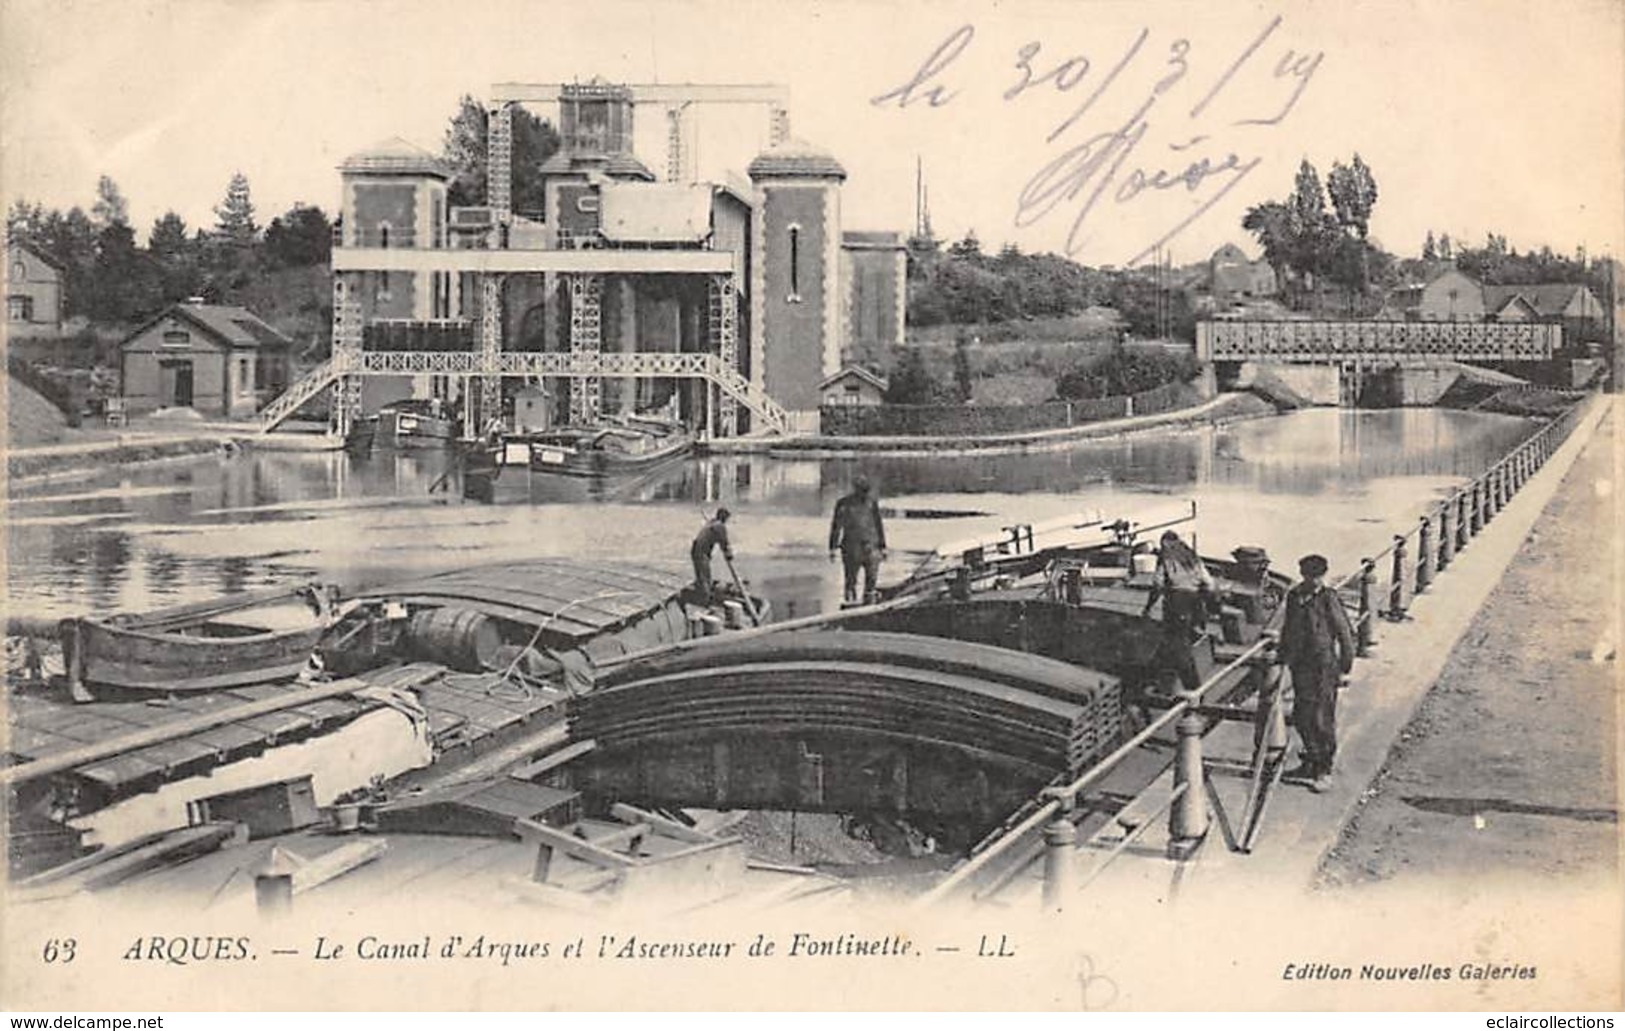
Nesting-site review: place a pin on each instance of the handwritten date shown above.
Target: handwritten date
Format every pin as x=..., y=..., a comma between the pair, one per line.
x=1078, y=174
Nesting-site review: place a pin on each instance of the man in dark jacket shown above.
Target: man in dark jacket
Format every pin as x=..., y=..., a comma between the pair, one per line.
x=714, y=534
x=1317, y=645
x=856, y=531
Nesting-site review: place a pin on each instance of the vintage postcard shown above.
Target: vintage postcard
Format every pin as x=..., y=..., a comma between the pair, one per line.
x=632, y=505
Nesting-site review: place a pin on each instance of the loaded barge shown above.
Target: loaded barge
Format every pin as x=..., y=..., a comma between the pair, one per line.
x=585, y=735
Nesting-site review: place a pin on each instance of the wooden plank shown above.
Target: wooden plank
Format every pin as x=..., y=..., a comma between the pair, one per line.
x=130, y=742
x=313, y=873
x=176, y=845
x=552, y=760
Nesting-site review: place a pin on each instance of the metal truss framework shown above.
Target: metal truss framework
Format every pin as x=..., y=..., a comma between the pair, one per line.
x=1376, y=342
x=586, y=340
x=499, y=162
x=723, y=323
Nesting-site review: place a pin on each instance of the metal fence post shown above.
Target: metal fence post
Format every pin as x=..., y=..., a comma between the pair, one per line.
x=1492, y=494
x=1424, y=554
x=1396, y=590
x=1461, y=521
x=1060, y=862
x=1476, y=513
x=1365, y=633
x=1447, y=535
x=1187, y=820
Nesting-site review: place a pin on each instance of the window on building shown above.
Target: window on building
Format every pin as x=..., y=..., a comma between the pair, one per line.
x=383, y=235
x=795, y=264
x=245, y=375
x=19, y=272
x=177, y=338
x=20, y=308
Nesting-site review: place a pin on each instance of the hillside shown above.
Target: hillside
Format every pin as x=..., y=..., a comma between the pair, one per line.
x=30, y=419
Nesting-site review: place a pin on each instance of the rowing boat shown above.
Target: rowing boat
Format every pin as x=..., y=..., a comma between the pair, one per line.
x=228, y=642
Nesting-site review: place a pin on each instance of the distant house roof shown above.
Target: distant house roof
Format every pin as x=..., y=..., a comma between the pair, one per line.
x=1515, y=302
x=860, y=372
x=396, y=156
x=795, y=159
x=227, y=324
x=46, y=259
x=1229, y=252
x=1544, y=298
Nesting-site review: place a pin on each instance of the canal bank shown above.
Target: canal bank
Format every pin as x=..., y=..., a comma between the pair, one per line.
x=1225, y=408
x=113, y=448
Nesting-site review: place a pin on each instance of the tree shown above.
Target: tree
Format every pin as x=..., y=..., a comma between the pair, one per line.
x=126, y=285
x=1354, y=195
x=911, y=381
x=299, y=237
x=534, y=141
x=1446, y=249
x=1271, y=223
x=1430, y=249
x=110, y=209
x=177, y=257
x=969, y=248
x=236, y=212
x=168, y=237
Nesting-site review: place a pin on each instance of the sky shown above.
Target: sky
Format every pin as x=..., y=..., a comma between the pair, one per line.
x=1101, y=130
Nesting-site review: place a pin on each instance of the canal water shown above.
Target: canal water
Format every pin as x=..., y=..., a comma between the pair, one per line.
x=1336, y=481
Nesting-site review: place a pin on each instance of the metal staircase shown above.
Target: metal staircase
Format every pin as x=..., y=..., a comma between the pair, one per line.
x=770, y=415
x=290, y=400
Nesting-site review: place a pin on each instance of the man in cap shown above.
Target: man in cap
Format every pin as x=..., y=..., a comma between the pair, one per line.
x=1317, y=645
x=858, y=534
x=713, y=535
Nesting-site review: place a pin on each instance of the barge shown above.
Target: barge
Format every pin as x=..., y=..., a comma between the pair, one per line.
x=562, y=725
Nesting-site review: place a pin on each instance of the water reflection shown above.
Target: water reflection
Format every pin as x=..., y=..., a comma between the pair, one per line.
x=135, y=537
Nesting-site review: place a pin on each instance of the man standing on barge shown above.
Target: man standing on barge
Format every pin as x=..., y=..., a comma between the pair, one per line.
x=714, y=534
x=1317, y=645
x=858, y=534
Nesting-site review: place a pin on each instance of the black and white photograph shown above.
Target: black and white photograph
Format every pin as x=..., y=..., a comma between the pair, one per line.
x=868, y=505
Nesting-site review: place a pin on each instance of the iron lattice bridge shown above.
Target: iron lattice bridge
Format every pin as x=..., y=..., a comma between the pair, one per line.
x=1376, y=342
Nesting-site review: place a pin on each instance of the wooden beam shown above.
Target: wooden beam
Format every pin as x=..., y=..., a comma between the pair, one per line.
x=669, y=828
x=570, y=845
x=76, y=757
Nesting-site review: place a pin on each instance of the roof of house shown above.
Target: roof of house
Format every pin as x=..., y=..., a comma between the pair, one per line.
x=396, y=156
x=873, y=240
x=1229, y=252
x=1545, y=298
x=854, y=370
x=228, y=324
x=795, y=159
x=36, y=252
x=619, y=166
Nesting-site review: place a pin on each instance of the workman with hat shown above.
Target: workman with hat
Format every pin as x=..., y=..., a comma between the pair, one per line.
x=712, y=536
x=1186, y=589
x=858, y=534
x=1317, y=645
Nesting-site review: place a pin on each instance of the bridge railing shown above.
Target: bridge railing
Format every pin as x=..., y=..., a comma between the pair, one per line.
x=1439, y=535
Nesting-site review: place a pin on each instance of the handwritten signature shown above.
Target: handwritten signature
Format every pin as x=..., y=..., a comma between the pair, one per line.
x=1083, y=173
